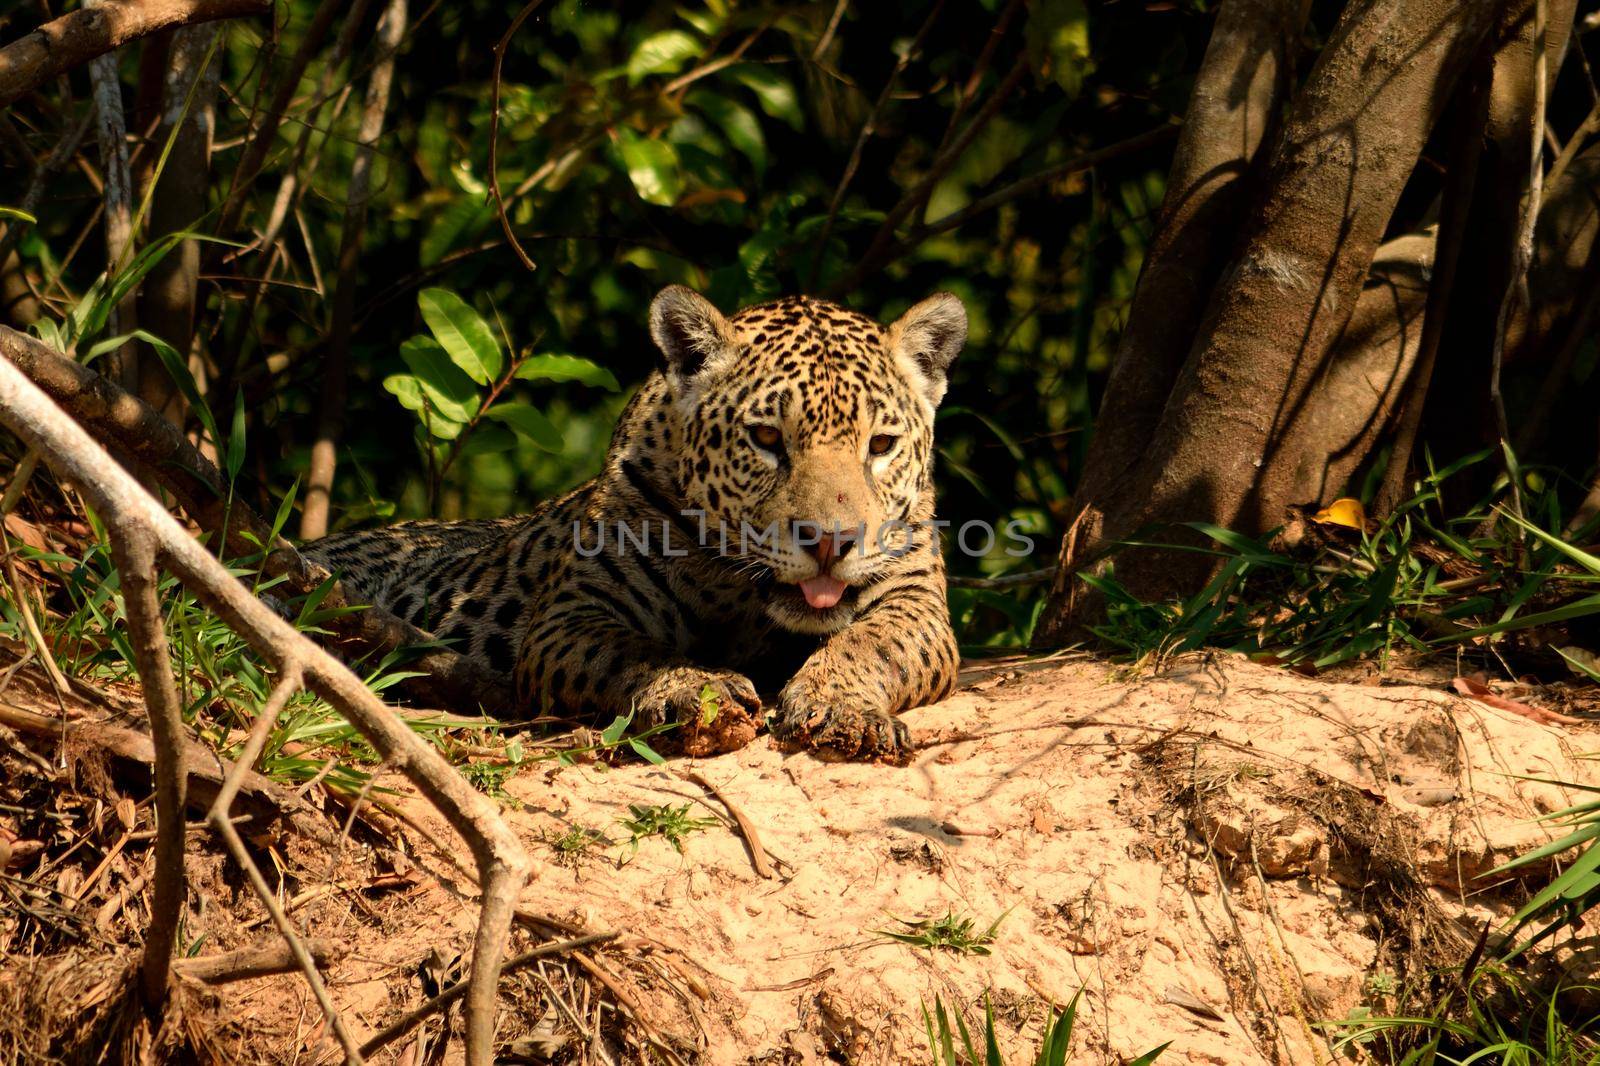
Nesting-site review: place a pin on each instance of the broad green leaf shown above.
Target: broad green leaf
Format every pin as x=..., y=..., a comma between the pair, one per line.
x=530, y=422
x=466, y=337
x=737, y=123
x=463, y=217
x=612, y=733
x=661, y=53
x=1058, y=42
x=407, y=389
x=773, y=91
x=653, y=168
x=447, y=388
x=488, y=440
x=567, y=368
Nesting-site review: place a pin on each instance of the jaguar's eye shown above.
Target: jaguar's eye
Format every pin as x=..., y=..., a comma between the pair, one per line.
x=881, y=443
x=768, y=437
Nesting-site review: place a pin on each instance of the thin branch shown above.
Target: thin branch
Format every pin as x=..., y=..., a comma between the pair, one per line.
x=330, y=421
x=261, y=141
x=47, y=169
x=248, y=963
x=969, y=91
x=1021, y=187
x=879, y=251
x=80, y=36
x=222, y=823
x=1004, y=581
x=827, y=34
x=868, y=128
x=494, y=131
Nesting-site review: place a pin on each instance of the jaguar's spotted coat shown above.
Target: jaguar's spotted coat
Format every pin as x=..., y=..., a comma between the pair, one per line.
x=797, y=411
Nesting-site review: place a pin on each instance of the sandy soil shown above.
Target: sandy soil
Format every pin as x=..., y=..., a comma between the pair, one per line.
x=1220, y=857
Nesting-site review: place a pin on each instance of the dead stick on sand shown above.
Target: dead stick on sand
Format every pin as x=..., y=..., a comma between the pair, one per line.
x=747, y=829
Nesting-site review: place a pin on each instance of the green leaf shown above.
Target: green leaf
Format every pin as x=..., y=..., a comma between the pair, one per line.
x=530, y=422
x=1150, y=1056
x=567, y=368
x=18, y=214
x=407, y=389
x=737, y=123
x=773, y=91
x=233, y=460
x=612, y=733
x=177, y=368
x=1581, y=661
x=462, y=218
x=285, y=510
x=653, y=168
x=463, y=333
x=661, y=53
x=447, y=388
x=489, y=440
x=109, y=295
x=1058, y=42
x=646, y=752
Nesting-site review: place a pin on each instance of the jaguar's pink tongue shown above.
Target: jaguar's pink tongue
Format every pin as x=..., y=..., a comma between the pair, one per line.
x=822, y=591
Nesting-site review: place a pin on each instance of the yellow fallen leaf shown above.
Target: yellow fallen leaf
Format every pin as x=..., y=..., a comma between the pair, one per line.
x=1345, y=511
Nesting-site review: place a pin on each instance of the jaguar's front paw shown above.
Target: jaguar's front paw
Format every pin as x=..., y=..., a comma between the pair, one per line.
x=716, y=710
x=833, y=724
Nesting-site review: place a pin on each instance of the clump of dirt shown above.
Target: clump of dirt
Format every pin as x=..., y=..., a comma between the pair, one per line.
x=1221, y=856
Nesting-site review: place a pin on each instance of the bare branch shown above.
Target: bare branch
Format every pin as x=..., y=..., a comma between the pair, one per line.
x=247, y=963
x=868, y=128
x=79, y=36
x=261, y=141
x=494, y=131
x=330, y=420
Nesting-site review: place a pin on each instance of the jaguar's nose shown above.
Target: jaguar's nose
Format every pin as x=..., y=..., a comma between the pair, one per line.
x=825, y=543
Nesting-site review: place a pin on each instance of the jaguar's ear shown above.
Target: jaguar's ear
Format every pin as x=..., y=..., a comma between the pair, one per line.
x=690, y=332
x=926, y=340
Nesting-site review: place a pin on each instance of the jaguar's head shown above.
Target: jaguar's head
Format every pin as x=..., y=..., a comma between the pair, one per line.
x=807, y=435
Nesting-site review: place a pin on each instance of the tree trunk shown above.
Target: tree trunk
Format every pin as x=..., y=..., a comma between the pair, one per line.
x=1329, y=187
x=1237, y=97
